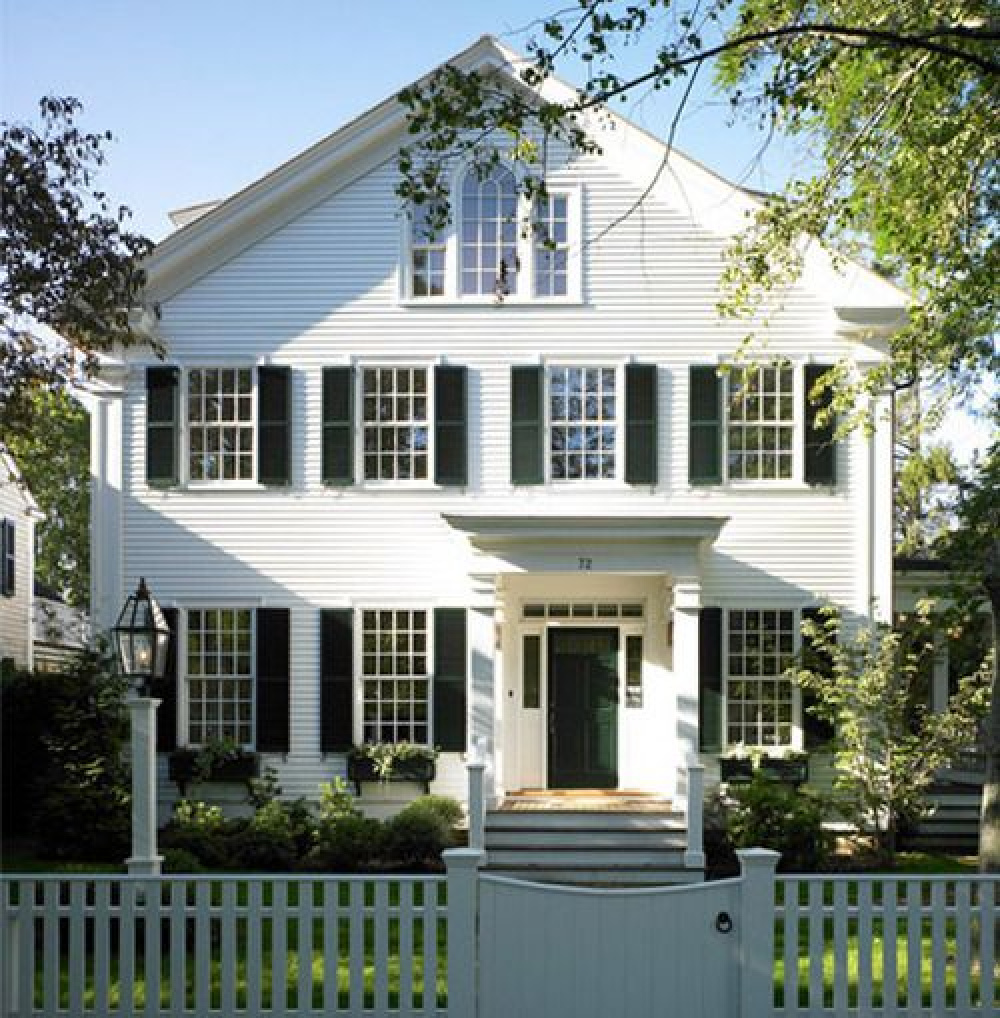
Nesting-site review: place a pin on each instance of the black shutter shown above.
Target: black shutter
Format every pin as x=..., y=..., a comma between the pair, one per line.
x=820, y=447
x=450, y=425
x=705, y=426
x=640, y=423
x=710, y=680
x=165, y=690
x=8, y=558
x=450, y=672
x=526, y=425
x=161, y=426
x=338, y=426
x=336, y=679
x=272, y=680
x=274, y=425
x=817, y=731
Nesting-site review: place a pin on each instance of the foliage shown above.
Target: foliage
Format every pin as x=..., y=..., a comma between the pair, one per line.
x=895, y=107
x=349, y=844
x=219, y=760
x=770, y=814
x=887, y=743
x=53, y=457
x=69, y=262
x=66, y=781
x=388, y=758
x=336, y=801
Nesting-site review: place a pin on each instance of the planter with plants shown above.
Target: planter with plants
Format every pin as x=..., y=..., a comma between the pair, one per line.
x=788, y=769
x=391, y=761
x=218, y=760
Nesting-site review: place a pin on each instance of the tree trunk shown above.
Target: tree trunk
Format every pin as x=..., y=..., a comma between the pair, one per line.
x=989, y=820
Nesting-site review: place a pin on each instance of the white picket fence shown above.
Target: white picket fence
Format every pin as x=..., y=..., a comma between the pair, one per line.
x=469, y=944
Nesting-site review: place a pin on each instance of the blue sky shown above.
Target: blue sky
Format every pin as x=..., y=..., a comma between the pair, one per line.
x=204, y=98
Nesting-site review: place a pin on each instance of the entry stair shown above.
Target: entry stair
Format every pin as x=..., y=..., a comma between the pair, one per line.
x=594, y=837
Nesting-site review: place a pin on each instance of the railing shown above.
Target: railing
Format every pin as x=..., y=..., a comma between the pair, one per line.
x=886, y=944
x=235, y=945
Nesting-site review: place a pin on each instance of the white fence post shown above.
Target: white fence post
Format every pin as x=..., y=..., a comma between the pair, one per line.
x=476, y=766
x=756, y=929
x=694, y=857
x=463, y=865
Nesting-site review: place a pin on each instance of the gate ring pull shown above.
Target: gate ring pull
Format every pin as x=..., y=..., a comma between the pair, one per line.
x=724, y=922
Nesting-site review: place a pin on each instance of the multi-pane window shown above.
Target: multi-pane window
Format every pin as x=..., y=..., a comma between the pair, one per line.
x=761, y=426
x=220, y=675
x=551, y=233
x=583, y=423
x=220, y=424
x=427, y=251
x=760, y=646
x=489, y=233
x=394, y=675
x=395, y=425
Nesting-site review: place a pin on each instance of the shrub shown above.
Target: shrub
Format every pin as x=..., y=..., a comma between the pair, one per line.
x=449, y=810
x=336, y=801
x=66, y=778
x=767, y=814
x=348, y=844
x=418, y=834
x=179, y=860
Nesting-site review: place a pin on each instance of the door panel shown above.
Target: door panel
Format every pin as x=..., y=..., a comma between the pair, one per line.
x=583, y=708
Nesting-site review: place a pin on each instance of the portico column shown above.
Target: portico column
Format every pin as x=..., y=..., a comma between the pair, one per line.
x=686, y=605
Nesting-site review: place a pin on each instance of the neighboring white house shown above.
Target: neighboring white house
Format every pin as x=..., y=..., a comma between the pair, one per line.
x=18, y=513
x=383, y=505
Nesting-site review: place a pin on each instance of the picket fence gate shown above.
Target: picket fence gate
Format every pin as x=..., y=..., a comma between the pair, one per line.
x=474, y=945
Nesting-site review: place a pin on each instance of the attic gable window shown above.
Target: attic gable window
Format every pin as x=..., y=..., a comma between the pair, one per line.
x=551, y=250
x=427, y=254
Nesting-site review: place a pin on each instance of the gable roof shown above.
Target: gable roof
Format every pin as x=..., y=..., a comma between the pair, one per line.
x=218, y=231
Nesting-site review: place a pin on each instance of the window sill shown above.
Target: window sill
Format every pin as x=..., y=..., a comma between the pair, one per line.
x=222, y=487
x=769, y=487
x=491, y=302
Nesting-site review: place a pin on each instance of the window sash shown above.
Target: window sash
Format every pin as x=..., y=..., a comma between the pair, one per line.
x=550, y=230
x=762, y=423
x=220, y=419
x=220, y=675
x=488, y=239
x=584, y=409
x=761, y=706
x=394, y=665
x=396, y=423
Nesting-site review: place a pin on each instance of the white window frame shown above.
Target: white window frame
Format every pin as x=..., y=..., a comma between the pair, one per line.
x=797, y=477
x=409, y=364
x=618, y=480
x=186, y=428
x=451, y=240
x=183, y=693
x=797, y=732
x=359, y=673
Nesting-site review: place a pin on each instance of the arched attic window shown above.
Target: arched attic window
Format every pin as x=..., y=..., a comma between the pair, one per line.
x=489, y=233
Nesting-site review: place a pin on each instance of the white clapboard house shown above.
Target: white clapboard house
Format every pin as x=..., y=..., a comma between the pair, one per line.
x=382, y=504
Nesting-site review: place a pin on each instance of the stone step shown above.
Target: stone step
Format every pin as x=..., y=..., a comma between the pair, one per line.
x=584, y=820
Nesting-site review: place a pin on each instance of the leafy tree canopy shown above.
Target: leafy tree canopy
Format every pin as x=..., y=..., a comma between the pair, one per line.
x=897, y=103
x=69, y=263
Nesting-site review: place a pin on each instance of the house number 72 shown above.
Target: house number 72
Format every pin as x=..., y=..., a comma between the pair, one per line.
x=586, y=564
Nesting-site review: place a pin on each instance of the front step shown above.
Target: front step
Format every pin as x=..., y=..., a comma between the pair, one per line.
x=588, y=837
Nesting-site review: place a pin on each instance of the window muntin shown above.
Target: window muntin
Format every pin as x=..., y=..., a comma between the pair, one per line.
x=583, y=423
x=489, y=262
x=395, y=682
x=760, y=646
x=551, y=246
x=220, y=424
x=220, y=675
x=427, y=255
x=395, y=424
x=760, y=430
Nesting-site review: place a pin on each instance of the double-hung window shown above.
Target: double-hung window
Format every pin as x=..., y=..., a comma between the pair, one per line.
x=583, y=423
x=396, y=431
x=220, y=675
x=760, y=645
x=395, y=675
x=760, y=423
x=500, y=246
x=220, y=424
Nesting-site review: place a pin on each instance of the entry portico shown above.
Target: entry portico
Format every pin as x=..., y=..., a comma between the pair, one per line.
x=596, y=654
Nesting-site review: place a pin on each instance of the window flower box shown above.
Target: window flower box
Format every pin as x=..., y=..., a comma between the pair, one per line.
x=789, y=770
x=388, y=761
x=736, y=770
x=212, y=762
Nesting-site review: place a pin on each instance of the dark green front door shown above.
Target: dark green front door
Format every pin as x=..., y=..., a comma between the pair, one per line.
x=583, y=708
